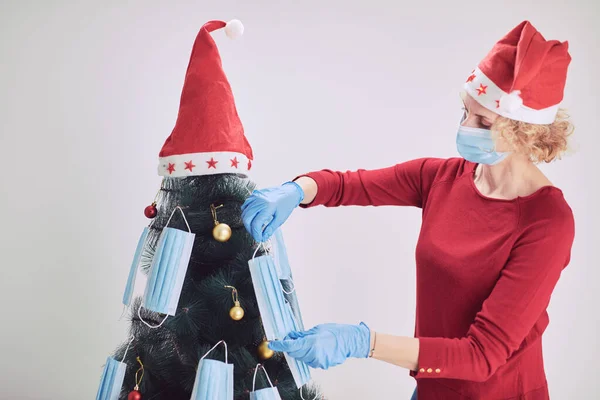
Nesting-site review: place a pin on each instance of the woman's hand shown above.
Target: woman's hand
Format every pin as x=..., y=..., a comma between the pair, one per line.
x=326, y=345
x=267, y=209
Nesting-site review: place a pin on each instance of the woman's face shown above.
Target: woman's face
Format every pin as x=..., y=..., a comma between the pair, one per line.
x=475, y=115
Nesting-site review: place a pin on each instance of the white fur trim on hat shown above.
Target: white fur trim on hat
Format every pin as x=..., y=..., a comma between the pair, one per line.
x=194, y=164
x=509, y=105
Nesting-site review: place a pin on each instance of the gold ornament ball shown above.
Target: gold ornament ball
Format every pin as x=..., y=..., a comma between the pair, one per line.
x=221, y=232
x=264, y=352
x=236, y=313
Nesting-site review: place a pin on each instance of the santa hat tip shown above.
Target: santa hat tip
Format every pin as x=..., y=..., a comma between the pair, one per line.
x=234, y=29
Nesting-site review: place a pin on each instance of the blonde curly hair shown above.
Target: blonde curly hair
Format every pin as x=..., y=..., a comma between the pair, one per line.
x=543, y=143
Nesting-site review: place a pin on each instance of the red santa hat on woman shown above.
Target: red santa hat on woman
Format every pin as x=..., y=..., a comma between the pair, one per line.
x=523, y=76
x=208, y=137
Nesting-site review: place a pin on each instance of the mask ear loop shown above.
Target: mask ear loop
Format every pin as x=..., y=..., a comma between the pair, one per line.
x=258, y=247
x=127, y=348
x=147, y=324
x=166, y=225
x=291, y=291
x=254, y=379
x=302, y=396
x=218, y=343
x=182, y=214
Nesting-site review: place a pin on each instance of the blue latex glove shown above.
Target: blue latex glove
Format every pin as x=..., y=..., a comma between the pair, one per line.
x=326, y=345
x=267, y=209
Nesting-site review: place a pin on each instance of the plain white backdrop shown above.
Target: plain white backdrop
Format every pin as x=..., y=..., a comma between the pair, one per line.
x=90, y=90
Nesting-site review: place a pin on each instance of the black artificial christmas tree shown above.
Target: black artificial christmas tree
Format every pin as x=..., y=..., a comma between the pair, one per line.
x=205, y=165
x=170, y=354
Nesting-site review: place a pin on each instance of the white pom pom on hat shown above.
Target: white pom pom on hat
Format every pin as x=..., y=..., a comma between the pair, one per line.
x=511, y=102
x=234, y=29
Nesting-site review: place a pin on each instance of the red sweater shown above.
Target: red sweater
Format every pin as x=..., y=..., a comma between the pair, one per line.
x=486, y=269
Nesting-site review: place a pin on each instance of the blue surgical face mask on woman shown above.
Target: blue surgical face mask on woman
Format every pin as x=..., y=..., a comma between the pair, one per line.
x=477, y=145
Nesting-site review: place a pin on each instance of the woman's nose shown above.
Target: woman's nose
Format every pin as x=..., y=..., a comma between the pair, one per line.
x=468, y=122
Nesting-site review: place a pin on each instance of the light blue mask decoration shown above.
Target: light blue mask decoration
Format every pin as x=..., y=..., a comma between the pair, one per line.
x=214, y=379
x=284, y=272
x=282, y=264
x=112, y=378
x=270, y=393
x=128, y=294
x=167, y=271
x=300, y=371
x=276, y=314
x=477, y=145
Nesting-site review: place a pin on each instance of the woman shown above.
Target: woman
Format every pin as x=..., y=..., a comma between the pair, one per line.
x=495, y=236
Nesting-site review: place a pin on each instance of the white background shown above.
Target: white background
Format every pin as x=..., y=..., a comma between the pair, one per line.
x=90, y=90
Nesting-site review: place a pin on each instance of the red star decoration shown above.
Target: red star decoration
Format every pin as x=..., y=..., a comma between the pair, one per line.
x=171, y=168
x=481, y=89
x=470, y=78
x=212, y=163
x=497, y=103
x=234, y=162
x=189, y=165
x=249, y=164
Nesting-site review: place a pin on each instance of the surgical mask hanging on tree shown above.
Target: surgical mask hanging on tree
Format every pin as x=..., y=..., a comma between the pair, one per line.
x=214, y=379
x=276, y=314
x=128, y=294
x=112, y=378
x=168, y=269
x=284, y=271
x=280, y=257
x=269, y=393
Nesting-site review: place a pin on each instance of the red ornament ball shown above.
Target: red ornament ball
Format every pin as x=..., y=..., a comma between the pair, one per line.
x=134, y=395
x=150, y=211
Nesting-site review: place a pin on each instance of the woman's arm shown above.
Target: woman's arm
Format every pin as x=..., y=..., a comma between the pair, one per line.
x=402, y=351
x=309, y=186
x=404, y=184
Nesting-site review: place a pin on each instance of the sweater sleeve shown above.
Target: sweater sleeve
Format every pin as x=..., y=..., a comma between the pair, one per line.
x=516, y=304
x=404, y=184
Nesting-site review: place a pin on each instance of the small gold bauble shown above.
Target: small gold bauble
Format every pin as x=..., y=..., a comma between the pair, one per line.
x=236, y=313
x=264, y=352
x=221, y=232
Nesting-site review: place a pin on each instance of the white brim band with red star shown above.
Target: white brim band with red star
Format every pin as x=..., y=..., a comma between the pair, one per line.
x=218, y=162
x=486, y=93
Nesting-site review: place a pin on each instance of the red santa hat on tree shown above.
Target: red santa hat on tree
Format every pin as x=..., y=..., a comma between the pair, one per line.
x=523, y=76
x=208, y=137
